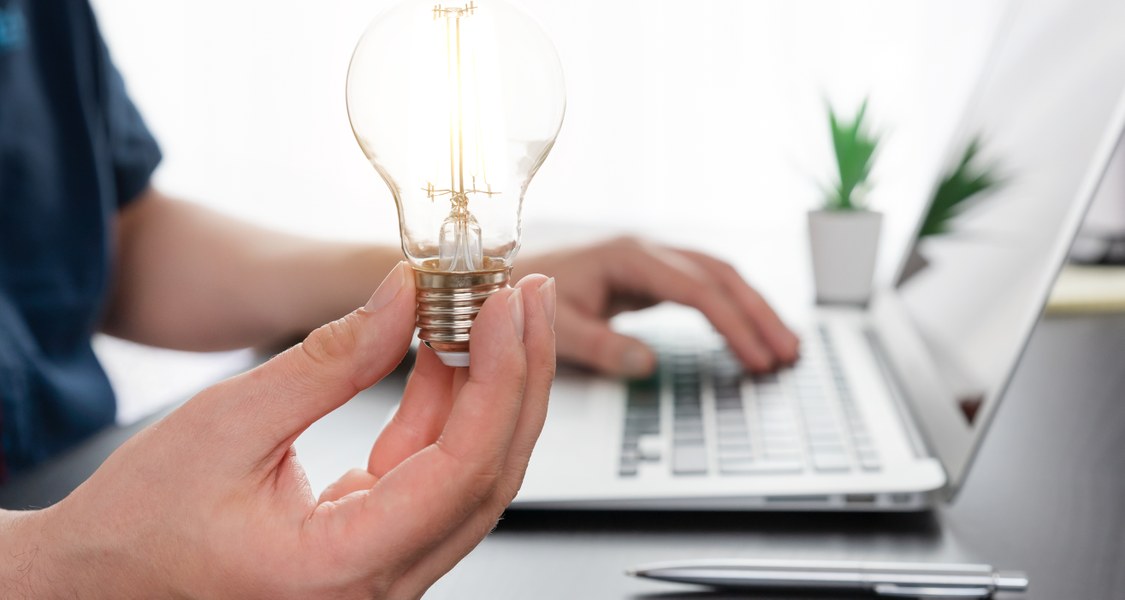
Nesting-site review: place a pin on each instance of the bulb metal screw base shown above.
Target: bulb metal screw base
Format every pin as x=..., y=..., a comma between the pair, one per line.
x=447, y=305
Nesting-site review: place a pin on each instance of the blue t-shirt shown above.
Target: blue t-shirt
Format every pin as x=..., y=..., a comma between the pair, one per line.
x=73, y=152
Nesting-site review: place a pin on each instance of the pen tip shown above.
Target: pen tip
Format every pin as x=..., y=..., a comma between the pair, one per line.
x=631, y=572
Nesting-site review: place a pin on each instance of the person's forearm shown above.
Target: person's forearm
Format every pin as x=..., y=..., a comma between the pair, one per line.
x=25, y=571
x=17, y=558
x=190, y=278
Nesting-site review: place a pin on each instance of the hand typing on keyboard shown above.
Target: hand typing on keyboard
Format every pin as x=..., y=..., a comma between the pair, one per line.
x=801, y=420
x=598, y=281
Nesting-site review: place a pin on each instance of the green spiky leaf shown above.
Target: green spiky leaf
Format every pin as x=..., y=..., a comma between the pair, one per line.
x=965, y=182
x=855, y=149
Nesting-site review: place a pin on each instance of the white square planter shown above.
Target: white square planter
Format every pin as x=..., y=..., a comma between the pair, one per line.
x=844, y=247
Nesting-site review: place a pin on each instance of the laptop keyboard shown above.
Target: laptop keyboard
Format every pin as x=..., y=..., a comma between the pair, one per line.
x=720, y=420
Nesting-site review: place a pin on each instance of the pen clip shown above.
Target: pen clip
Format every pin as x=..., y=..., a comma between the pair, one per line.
x=893, y=590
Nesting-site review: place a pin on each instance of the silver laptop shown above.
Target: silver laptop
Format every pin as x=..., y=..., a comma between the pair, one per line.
x=887, y=405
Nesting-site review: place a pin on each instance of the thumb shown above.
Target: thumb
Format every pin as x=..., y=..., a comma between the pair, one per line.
x=591, y=343
x=281, y=398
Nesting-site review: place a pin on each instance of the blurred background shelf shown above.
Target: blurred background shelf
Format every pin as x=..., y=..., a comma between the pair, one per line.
x=1088, y=289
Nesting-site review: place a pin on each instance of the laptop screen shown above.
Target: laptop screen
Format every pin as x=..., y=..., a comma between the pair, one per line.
x=1032, y=147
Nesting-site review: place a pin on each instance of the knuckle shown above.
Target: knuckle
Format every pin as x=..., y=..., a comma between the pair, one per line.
x=485, y=525
x=700, y=295
x=546, y=367
x=726, y=267
x=626, y=243
x=506, y=492
x=483, y=483
x=479, y=478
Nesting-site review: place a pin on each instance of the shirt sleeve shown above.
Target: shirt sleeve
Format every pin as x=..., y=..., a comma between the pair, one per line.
x=133, y=150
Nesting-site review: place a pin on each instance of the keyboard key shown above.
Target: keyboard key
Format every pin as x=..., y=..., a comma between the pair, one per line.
x=734, y=448
x=730, y=414
x=870, y=465
x=630, y=455
x=641, y=425
x=787, y=447
x=863, y=442
x=785, y=454
x=868, y=456
x=650, y=447
x=733, y=439
x=831, y=463
x=827, y=447
x=763, y=467
x=731, y=426
x=691, y=437
x=736, y=466
x=693, y=414
x=821, y=433
x=689, y=460
x=730, y=458
x=688, y=423
x=775, y=417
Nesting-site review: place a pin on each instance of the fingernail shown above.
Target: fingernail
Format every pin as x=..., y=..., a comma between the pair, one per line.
x=515, y=306
x=635, y=361
x=547, y=295
x=388, y=289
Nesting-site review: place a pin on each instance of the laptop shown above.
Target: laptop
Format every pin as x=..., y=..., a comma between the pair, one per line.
x=888, y=404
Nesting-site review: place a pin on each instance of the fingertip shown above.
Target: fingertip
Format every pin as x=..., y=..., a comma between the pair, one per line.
x=548, y=294
x=758, y=359
x=637, y=360
x=497, y=331
x=792, y=350
x=539, y=298
x=534, y=280
x=495, y=316
x=391, y=288
x=516, y=312
x=784, y=344
x=351, y=481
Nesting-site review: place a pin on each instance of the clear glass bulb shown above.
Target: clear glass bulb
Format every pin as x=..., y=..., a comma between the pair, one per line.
x=456, y=106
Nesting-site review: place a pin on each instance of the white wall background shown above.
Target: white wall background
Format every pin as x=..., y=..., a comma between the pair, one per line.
x=680, y=114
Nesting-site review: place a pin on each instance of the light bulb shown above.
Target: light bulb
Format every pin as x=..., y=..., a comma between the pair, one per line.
x=456, y=106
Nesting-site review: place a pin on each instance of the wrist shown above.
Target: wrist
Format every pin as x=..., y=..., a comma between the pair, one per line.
x=45, y=556
x=25, y=569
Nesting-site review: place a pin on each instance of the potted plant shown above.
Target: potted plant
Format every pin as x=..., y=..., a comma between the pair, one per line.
x=966, y=180
x=844, y=234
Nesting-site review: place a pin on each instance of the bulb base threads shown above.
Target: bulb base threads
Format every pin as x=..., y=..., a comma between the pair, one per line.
x=447, y=305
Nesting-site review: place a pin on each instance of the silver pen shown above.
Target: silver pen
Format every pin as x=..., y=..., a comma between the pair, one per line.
x=891, y=579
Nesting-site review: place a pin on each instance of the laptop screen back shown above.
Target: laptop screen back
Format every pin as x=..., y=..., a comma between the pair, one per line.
x=1043, y=123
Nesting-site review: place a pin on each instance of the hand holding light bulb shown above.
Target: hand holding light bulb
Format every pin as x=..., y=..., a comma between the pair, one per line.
x=456, y=107
x=234, y=517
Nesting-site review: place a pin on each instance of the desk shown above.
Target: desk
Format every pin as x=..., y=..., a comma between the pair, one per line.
x=1047, y=495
